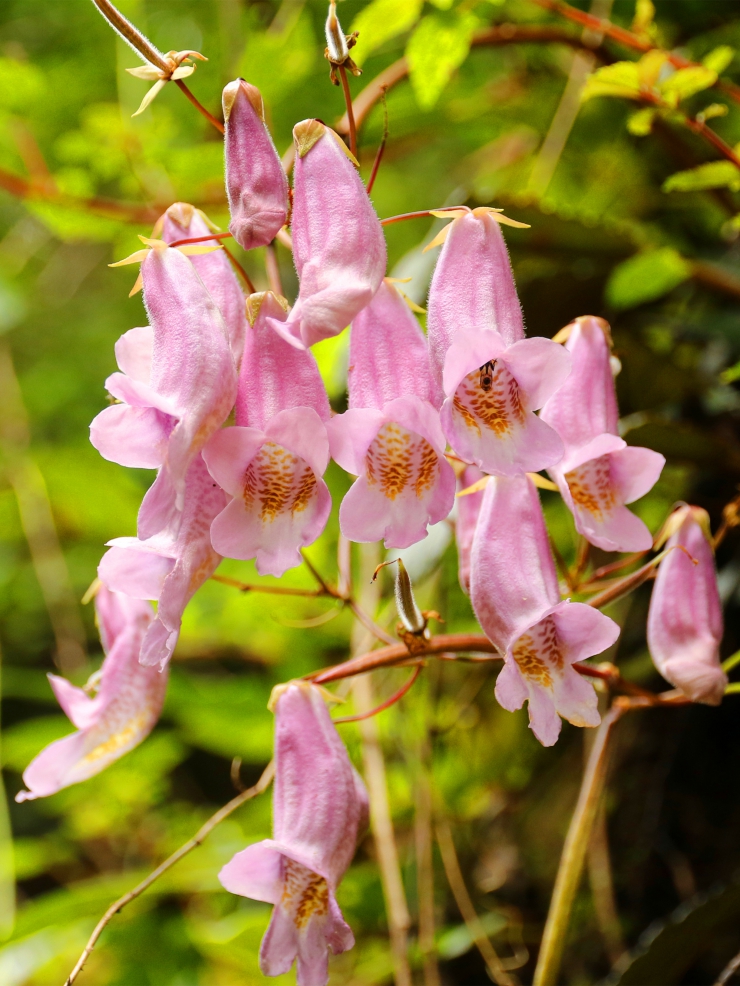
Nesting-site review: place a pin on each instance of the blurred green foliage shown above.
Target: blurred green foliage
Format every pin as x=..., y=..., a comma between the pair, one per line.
x=637, y=223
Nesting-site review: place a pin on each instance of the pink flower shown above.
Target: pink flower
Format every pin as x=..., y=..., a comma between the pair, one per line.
x=338, y=243
x=493, y=378
x=118, y=718
x=170, y=566
x=255, y=181
x=272, y=462
x=514, y=590
x=599, y=472
x=177, y=386
x=684, y=627
x=319, y=809
x=468, y=508
x=183, y=221
x=391, y=437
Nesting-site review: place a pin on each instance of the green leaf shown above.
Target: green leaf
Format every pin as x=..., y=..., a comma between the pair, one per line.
x=713, y=174
x=645, y=277
x=436, y=48
x=380, y=21
x=641, y=123
x=620, y=79
x=21, y=84
x=688, y=81
x=712, y=111
x=718, y=59
x=644, y=16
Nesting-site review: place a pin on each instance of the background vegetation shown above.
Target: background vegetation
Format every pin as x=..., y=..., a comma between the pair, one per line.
x=481, y=124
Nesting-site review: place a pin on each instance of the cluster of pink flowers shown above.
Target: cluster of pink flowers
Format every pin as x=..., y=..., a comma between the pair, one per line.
x=255, y=489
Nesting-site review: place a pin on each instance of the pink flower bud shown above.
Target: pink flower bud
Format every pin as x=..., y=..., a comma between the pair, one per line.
x=177, y=386
x=272, y=462
x=684, y=627
x=338, y=243
x=468, y=509
x=514, y=591
x=391, y=437
x=320, y=808
x=118, y=718
x=255, y=181
x=599, y=472
x=170, y=566
x=183, y=221
x=493, y=378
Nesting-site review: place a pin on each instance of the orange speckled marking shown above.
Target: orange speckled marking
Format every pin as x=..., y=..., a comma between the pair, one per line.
x=305, y=893
x=278, y=482
x=591, y=487
x=537, y=653
x=490, y=400
x=399, y=460
x=126, y=736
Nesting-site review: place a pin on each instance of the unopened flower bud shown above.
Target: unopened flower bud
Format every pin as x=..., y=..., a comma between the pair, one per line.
x=255, y=181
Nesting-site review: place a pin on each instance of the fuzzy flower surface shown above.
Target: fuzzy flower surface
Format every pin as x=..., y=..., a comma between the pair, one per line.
x=121, y=714
x=320, y=808
x=515, y=595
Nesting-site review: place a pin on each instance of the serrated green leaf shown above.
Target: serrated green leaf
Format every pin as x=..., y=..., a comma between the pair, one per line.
x=688, y=81
x=436, y=48
x=718, y=59
x=713, y=174
x=380, y=21
x=641, y=123
x=646, y=277
x=620, y=79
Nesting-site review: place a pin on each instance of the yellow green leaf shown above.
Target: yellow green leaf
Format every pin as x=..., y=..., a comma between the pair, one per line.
x=713, y=174
x=620, y=79
x=380, y=21
x=688, y=81
x=436, y=48
x=641, y=123
x=718, y=59
x=646, y=277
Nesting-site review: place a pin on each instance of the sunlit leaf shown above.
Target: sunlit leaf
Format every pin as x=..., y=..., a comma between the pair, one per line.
x=718, y=59
x=619, y=79
x=687, y=82
x=436, y=48
x=713, y=174
x=645, y=277
x=641, y=123
x=380, y=21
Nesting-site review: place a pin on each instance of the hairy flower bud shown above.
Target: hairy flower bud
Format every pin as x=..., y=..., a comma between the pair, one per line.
x=255, y=181
x=514, y=591
x=320, y=808
x=118, y=718
x=685, y=618
x=272, y=462
x=338, y=244
x=391, y=437
x=599, y=473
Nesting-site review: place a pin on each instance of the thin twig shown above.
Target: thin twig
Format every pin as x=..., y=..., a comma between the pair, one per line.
x=729, y=970
x=395, y=697
x=381, y=148
x=200, y=835
x=451, y=864
x=370, y=623
x=350, y=114
x=424, y=844
x=200, y=239
x=574, y=850
x=602, y=887
x=274, y=590
x=239, y=269
x=132, y=35
x=200, y=107
x=273, y=269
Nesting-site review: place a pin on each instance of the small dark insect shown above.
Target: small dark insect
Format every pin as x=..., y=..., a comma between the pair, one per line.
x=486, y=375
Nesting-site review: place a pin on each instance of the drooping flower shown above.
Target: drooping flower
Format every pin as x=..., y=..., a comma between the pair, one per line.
x=320, y=808
x=255, y=181
x=338, y=244
x=514, y=591
x=183, y=221
x=118, y=718
x=493, y=378
x=272, y=462
x=170, y=566
x=391, y=437
x=468, y=508
x=177, y=386
x=599, y=473
x=684, y=627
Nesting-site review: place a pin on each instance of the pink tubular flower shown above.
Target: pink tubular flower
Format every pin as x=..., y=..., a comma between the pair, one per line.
x=320, y=808
x=177, y=386
x=170, y=566
x=684, y=627
x=599, y=472
x=272, y=462
x=338, y=243
x=492, y=377
x=391, y=437
x=514, y=590
x=255, y=181
x=183, y=221
x=118, y=718
x=468, y=508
